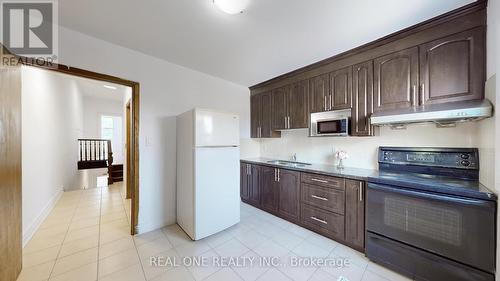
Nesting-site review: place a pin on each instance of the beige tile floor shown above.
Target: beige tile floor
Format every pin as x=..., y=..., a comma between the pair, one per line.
x=86, y=237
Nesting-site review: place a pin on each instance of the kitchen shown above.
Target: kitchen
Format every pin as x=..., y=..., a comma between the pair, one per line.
x=337, y=140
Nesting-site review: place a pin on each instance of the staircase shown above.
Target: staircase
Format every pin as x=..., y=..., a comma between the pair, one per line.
x=116, y=173
x=96, y=154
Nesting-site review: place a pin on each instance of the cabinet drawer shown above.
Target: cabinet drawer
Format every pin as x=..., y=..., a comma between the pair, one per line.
x=325, y=181
x=325, y=222
x=326, y=198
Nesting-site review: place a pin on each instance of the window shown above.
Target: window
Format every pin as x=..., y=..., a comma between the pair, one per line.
x=107, y=127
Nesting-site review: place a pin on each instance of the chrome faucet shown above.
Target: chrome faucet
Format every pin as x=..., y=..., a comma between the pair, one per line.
x=294, y=157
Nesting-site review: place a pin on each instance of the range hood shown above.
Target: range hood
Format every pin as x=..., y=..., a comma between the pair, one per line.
x=445, y=114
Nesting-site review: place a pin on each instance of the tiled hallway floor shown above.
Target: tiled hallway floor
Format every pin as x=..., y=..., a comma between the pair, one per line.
x=86, y=237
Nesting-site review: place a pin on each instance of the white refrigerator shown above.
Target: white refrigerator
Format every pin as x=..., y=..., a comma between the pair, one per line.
x=208, y=174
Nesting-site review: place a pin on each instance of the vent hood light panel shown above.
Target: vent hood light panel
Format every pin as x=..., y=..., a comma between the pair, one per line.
x=437, y=113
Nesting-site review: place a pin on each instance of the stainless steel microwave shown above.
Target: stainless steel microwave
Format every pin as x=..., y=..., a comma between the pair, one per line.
x=331, y=123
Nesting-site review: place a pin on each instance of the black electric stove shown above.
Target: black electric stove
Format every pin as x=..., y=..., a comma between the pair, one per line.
x=428, y=216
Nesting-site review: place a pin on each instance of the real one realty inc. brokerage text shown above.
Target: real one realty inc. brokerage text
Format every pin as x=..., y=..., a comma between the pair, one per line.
x=217, y=261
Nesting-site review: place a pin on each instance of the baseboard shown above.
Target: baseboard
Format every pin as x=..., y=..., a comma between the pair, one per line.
x=30, y=231
x=143, y=228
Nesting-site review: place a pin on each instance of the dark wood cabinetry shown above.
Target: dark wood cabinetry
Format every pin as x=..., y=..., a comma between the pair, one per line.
x=289, y=194
x=452, y=68
x=355, y=213
x=261, y=116
x=362, y=95
x=318, y=95
x=396, y=80
x=298, y=105
x=279, y=108
x=441, y=60
x=250, y=183
x=331, y=206
x=340, y=89
x=269, y=189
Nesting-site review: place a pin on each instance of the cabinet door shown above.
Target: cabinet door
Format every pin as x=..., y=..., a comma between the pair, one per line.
x=279, y=102
x=244, y=181
x=289, y=194
x=320, y=89
x=452, y=68
x=255, y=115
x=341, y=89
x=298, y=105
x=269, y=189
x=355, y=213
x=362, y=92
x=254, y=185
x=266, y=115
x=396, y=80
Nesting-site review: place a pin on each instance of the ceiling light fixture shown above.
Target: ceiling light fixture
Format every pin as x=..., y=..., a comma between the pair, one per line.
x=110, y=87
x=231, y=7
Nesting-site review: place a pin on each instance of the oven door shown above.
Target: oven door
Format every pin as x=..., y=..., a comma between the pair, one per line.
x=458, y=228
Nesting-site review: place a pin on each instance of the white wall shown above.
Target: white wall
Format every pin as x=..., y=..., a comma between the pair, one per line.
x=93, y=109
x=52, y=121
x=166, y=90
x=363, y=150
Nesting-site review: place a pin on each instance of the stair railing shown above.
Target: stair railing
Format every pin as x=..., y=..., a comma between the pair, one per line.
x=96, y=153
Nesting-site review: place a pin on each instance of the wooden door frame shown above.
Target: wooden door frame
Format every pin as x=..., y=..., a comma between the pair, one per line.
x=73, y=71
x=128, y=142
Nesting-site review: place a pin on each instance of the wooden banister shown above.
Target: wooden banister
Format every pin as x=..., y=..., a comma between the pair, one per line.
x=95, y=153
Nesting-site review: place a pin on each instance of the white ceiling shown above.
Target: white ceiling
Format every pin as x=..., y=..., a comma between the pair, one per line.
x=270, y=38
x=95, y=89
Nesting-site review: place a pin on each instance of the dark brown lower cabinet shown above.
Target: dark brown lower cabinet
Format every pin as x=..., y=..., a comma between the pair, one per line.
x=269, y=189
x=355, y=213
x=245, y=181
x=331, y=206
x=254, y=185
x=289, y=194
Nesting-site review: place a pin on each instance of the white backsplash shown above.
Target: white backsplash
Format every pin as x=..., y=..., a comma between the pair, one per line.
x=363, y=150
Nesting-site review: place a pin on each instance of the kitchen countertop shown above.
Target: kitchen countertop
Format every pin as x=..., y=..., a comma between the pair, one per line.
x=328, y=170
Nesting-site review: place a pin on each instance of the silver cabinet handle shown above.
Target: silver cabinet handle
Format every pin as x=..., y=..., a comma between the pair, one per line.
x=260, y=132
x=285, y=122
x=275, y=175
x=360, y=192
x=414, y=94
x=422, y=95
x=331, y=102
x=316, y=180
x=288, y=122
x=319, y=220
x=324, y=102
x=249, y=169
x=278, y=175
x=320, y=198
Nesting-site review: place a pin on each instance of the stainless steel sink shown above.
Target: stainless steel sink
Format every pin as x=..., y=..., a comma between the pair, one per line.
x=288, y=163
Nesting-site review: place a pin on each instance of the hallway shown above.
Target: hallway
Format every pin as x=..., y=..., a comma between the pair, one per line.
x=81, y=237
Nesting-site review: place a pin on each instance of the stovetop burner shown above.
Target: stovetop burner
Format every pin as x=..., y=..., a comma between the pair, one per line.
x=439, y=170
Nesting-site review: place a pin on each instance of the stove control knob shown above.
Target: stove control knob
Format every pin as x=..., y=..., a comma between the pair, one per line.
x=465, y=163
x=465, y=156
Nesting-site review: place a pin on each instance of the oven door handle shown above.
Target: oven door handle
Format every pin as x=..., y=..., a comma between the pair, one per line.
x=427, y=195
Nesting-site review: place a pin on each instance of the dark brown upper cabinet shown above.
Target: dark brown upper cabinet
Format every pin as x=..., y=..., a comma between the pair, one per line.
x=255, y=115
x=453, y=68
x=396, y=80
x=289, y=194
x=355, y=213
x=340, y=89
x=319, y=93
x=362, y=94
x=279, y=108
x=298, y=109
x=261, y=116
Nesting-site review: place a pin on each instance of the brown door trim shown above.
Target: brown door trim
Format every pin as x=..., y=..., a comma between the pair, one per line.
x=61, y=68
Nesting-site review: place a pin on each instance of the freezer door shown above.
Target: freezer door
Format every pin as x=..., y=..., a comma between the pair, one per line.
x=217, y=191
x=216, y=129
